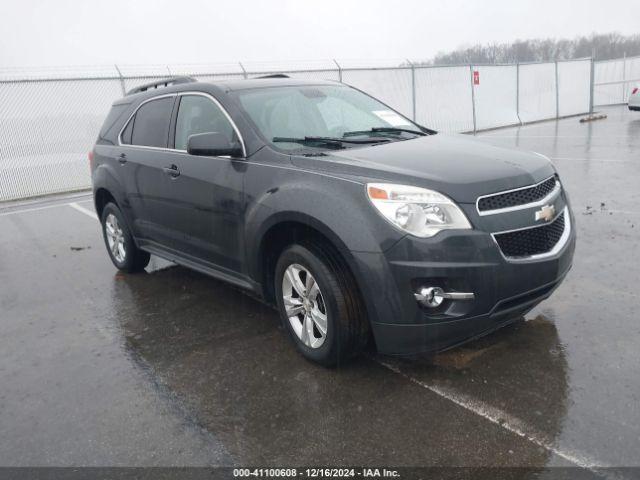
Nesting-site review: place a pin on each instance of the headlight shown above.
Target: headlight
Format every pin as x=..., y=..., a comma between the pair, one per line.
x=416, y=210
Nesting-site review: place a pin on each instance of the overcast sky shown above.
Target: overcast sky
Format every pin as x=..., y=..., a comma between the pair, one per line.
x=96, y=32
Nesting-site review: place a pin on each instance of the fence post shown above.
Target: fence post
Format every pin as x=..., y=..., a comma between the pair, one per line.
x=624, y=76
x=124, y=90
x=557, y=92
x=244, y=72
x=339, y=70
x=473, y=99
x=592, y=89
x=518, y=92
x=413, y=88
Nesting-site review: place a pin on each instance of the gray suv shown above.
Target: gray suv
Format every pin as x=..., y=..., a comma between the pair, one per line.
x=360, y=225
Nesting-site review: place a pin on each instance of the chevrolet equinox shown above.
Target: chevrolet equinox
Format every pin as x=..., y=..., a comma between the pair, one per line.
x=357, y=223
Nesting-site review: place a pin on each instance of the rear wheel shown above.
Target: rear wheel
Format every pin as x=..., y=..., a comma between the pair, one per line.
x=119, y=242
x=319, y=304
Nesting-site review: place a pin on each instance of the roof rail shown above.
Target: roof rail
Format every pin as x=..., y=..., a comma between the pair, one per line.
x=274, y=75
x=165, y=82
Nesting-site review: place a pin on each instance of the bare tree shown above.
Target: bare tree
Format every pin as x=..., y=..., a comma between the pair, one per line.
x=605, y=46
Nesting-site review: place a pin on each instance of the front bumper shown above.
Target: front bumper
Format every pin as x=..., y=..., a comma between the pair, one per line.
x=463, y=261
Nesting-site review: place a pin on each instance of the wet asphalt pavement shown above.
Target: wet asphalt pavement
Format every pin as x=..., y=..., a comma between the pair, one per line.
x=171, y=367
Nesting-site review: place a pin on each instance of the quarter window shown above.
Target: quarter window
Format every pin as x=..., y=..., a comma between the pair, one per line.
x=114, y=114
x=151, y=123
x=198, y=114
x=125, y=137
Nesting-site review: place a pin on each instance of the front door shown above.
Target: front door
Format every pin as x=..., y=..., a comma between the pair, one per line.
x=205, y=194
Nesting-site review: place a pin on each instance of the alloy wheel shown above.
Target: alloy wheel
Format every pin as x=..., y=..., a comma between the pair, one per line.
x=115, y=238
x=304, y=305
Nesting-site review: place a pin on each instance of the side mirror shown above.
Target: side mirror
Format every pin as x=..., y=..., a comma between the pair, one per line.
x=212, y=144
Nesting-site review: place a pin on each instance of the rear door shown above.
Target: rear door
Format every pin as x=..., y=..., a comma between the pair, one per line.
x=143, y=156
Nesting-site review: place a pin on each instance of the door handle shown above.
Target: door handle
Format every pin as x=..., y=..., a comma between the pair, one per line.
x=172, y=171
x=122, y=158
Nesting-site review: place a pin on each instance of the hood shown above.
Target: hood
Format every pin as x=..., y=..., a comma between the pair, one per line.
x=456, y=165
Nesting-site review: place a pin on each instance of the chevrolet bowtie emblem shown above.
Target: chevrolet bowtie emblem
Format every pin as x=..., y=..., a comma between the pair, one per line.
x=546, y=213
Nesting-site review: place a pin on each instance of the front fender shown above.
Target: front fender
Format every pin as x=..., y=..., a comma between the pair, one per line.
x=335, y=206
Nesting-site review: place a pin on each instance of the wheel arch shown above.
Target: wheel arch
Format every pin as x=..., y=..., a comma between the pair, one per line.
x=107, y=187
x=287, y=228
x=101, y=197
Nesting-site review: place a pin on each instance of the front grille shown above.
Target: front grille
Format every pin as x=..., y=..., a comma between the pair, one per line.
x=531, y=241
x=517, y=197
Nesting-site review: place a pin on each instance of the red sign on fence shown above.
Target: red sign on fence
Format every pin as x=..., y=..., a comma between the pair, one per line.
x=476, y=77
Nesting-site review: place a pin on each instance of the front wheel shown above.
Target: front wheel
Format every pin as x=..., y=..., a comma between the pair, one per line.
x=119, y=242
x=319, y=304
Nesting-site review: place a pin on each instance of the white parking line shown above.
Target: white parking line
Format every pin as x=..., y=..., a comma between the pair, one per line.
x=597, y=211
x=623, y=212
x=504, y=420
x=53, y=199
x=13, y=210
x=83, y=210
x=36, y=209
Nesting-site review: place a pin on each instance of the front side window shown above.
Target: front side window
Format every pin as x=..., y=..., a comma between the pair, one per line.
x=150, y=125
x=334, y=111
x=199, y=114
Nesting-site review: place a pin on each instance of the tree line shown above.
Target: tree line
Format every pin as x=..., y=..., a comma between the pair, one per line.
x=602, y=46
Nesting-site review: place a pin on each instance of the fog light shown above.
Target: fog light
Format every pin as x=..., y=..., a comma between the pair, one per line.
x=433, y=297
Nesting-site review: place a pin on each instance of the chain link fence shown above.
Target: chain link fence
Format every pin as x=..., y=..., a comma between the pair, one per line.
x=49, y=120
x=614, y=80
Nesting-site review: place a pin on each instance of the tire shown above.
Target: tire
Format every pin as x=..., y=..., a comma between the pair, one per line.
x=346, y=331
x=127, y=257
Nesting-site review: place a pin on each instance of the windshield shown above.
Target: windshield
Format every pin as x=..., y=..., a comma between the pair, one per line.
x=323, y=117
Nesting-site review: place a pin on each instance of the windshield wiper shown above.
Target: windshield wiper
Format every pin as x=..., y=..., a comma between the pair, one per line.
x=384, y=130
x=329, y=141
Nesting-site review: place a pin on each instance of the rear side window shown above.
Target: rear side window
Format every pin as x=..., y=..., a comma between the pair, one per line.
x=198, y=114
x=151, y=123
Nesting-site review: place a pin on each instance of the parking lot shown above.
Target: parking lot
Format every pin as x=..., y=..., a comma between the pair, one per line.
x=171, y=367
